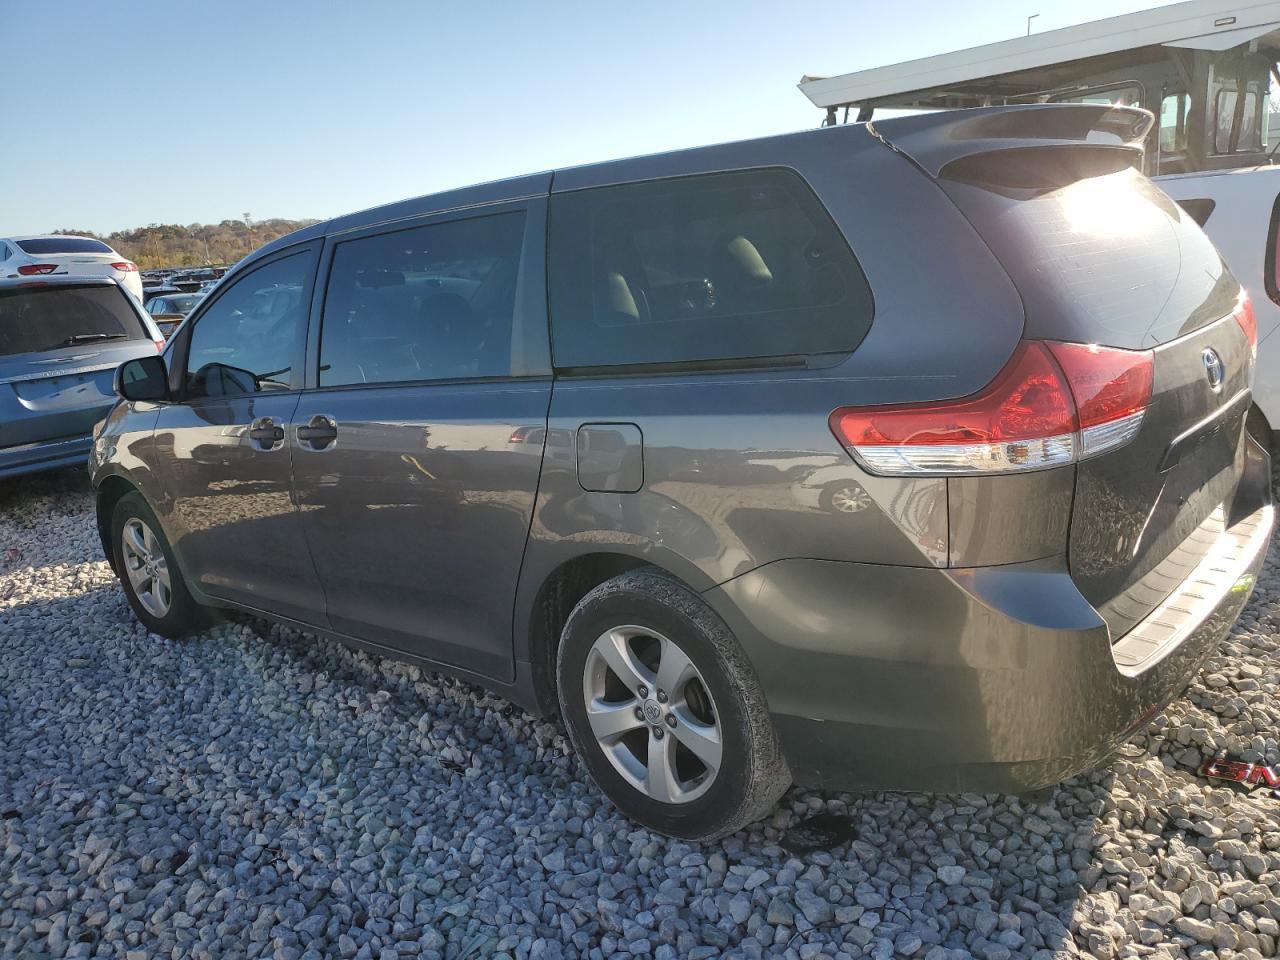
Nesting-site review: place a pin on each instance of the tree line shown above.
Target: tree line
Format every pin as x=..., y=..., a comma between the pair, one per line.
x=193, y=245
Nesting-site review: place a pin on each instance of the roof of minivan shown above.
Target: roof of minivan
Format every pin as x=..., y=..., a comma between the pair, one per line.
x=1199, y=24
x=685, y=161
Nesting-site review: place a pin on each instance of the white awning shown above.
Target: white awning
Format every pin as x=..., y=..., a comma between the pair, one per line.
x=1195, y=23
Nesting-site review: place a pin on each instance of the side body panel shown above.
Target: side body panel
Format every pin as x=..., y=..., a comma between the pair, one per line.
x=230, y=511
x=418, y=513
x=228, y=506
x=740, y=467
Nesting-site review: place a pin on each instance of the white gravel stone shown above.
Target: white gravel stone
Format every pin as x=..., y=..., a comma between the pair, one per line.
x=260, y=792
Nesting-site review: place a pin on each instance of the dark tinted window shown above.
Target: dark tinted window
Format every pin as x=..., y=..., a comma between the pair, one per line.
x=724, y=267
x=63, y=245
x=431, y=303
x=182, y=305
x=248, y=339
x=1248, y=134
x=45, y=318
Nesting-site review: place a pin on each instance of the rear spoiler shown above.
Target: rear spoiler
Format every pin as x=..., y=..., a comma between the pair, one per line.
x=934, y=140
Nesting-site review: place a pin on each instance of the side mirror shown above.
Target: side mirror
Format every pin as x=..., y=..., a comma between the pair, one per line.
x=142, y=379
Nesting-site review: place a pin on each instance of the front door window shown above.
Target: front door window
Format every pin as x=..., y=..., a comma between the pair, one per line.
x=248, y=341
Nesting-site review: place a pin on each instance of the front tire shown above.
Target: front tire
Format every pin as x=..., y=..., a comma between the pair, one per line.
x=666, y=711
x=148, y=572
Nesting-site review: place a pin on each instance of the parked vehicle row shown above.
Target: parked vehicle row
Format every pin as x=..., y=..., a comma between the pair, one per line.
x=63, y=255
x=682, y=448
x=170, y=308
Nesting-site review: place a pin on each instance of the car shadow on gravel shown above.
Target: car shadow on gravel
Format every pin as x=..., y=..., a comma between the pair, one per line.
x=15, y=490
x=1012, y=869
x=351, y=781
x=344, y=800
x=29, y=504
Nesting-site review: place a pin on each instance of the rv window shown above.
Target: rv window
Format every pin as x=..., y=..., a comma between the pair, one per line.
x=1113, y=94
x=1249, y=139
x=1173, y=122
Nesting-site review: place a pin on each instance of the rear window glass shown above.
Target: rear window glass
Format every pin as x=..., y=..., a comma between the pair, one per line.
x=724, y=267
x=36, y=319
x=63, y=245
x=183, y=305
x=1107, y=259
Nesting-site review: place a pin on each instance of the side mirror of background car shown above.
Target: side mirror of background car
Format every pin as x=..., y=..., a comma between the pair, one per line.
x=142, y=379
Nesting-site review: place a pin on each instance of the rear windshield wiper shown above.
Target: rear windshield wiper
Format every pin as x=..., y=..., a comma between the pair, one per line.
x=92, y=338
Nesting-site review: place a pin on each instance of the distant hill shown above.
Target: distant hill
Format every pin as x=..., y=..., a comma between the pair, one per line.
x=197, y=244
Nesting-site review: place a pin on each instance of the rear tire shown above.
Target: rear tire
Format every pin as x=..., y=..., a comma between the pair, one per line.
x=148, y=572
x=699, y=760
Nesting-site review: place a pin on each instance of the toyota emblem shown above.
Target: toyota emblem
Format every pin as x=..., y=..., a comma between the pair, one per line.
x=1213, y=368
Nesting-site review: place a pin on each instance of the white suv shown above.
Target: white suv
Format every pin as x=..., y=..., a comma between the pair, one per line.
x=60, y=255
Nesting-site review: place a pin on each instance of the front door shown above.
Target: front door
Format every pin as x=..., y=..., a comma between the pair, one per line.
x=417, y=455
x=224, y=446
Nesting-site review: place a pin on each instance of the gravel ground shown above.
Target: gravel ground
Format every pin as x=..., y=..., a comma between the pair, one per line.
x=259, y=792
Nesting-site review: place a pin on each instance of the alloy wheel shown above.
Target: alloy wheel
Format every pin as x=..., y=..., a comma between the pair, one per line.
x=652, y=714
x=146, y=567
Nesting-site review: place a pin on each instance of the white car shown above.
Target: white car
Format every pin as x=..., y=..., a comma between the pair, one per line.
x=61, y=256
x=1240, y=211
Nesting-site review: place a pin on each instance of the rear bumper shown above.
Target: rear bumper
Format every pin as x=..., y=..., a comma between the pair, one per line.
x=45, y=455
x=993, y=679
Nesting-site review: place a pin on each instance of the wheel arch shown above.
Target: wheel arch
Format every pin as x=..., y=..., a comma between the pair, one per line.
x=558, y=593
x=109, y=493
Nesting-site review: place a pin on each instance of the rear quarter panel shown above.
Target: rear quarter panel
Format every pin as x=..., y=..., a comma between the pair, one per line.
x=735, y=463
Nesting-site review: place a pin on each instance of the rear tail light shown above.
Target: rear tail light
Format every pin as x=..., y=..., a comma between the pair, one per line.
x=159, y=345
x=1052, y=404
x=1248, y=322
x=1111, y=389
x=125, y=266
x=37, y=269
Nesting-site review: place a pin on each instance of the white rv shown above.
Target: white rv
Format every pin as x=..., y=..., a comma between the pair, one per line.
x=1206, y=68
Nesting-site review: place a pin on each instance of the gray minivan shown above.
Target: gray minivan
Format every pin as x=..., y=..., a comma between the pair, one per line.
x=896, y=456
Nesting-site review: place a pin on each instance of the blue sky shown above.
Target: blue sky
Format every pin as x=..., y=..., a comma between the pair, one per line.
x=145, y=112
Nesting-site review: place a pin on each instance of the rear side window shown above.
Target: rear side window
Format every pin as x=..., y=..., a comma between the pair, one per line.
x=35, y=319
x=725, y=267
x=63, y=245
x=429, y=303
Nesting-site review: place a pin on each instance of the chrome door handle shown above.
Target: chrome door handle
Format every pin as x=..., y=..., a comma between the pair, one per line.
x=266, y=432
x=318, y=433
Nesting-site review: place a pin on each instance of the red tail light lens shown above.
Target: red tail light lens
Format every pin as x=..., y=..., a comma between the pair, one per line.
x=37, y=269
x=1023, y=420
x=1052, y=404
x=159, y=345
x=1111, y=389
x=125, y=266
x=1248, y=322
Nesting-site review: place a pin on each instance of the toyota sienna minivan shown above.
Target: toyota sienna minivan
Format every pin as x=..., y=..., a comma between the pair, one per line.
x=893, y=456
